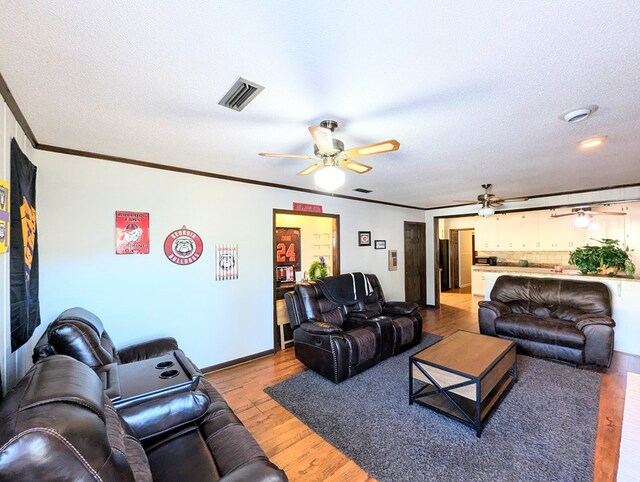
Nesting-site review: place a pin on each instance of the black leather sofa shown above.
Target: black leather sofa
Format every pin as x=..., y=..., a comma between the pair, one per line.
x=560, y=319
x=343, y=325
x=57, y=424
x=79, y=414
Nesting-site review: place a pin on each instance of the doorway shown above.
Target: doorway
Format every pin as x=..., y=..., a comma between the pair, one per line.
x=300, y=239
x=461, y=253
x=415, y=263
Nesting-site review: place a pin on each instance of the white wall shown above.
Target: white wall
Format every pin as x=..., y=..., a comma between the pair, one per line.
x=621, y=194
x=12, y=365
x=143, y=296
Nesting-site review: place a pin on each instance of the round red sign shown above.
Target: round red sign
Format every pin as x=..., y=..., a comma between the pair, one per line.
x=183, y=246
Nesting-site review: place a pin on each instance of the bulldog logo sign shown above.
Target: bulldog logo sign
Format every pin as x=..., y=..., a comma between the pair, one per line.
x=183, y=246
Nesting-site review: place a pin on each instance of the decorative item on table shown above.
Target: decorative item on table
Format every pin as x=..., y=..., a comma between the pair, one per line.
x=523, y=263
x=285, y=274
x=393, y=260
x=364, y=238
x=132, y=232
x=607, y=259
x=318, y=269
x=380, y=244
x=183, y=246
x=4, y=216
x=227, y=262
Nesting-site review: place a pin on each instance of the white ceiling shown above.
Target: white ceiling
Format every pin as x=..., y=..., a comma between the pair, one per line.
x=471, y=90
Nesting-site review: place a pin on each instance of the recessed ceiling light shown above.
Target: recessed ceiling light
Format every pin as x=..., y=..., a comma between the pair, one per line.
x=577, y=115
x=592, y=143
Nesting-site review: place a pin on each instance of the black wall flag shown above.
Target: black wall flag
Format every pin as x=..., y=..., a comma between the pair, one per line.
x=25, y=306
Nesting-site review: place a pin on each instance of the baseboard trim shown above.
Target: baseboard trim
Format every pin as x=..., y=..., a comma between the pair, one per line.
x=237, y=361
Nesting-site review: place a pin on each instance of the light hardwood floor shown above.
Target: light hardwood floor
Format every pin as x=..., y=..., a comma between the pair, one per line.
x=306, y=457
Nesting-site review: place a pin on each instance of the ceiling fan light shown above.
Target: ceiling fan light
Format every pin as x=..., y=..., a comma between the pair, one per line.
x=487, y=211
x=329, y=178
x=592, y=143
x=581, y=221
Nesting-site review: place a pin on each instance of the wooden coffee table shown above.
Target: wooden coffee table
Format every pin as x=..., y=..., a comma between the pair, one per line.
x=463, y=376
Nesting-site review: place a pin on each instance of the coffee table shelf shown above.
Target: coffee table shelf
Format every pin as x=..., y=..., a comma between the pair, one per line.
x=463, y=376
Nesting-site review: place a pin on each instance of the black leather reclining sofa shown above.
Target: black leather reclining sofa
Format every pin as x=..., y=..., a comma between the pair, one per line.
x=560, y=319
x=343, y=325
x=82, y=415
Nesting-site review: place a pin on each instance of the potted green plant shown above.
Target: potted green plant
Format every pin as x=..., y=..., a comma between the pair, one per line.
x=318, y=269
x=586, y=259
x=608, y=259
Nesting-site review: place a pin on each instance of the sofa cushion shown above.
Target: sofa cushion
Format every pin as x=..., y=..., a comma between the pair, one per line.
x=363, y=345
x=568, y=313
x=404, y=330
x=544, y=330
x=527, y=307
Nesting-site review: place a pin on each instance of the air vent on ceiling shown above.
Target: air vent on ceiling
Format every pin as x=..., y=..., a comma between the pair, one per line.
x=363, y=190
x=240, y=94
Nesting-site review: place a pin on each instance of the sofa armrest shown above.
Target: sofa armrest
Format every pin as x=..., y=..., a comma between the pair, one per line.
x=160, y=415
x=320, y=328
x=500, y=309
x=399, y=308
x=488, y=312
x=589, y=319
x=147, y=349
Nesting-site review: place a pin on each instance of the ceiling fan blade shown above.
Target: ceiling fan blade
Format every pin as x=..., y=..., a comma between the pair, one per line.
x=464, y=203
x=561, y=215
x=355, y=166
x=311, y=168
x=516, y=199
x=322, y=138
x=372, y=149
x=608, y=213
x=296, y=156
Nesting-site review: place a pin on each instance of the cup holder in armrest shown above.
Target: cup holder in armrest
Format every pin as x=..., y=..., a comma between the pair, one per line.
x=169, y=373
x=164, y=364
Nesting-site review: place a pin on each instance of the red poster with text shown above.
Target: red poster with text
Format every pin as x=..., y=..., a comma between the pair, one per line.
x=132, y=232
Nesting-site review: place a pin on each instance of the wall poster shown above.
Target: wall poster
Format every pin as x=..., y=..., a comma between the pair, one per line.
x=4, y=216
x=288, y=247
x=226, y=261
x=132, y=232
x=23, y=246
x=183, y=246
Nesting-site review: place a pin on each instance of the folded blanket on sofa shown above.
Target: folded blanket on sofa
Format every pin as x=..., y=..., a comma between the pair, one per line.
x=345, y=289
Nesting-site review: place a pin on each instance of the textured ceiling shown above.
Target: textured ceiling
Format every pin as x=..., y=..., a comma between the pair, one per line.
x=472, y=91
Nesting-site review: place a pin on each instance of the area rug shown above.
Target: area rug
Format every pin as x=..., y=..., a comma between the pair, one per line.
x=544, y=430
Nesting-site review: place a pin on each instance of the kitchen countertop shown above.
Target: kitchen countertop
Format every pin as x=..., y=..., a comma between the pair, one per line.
x=574, y=273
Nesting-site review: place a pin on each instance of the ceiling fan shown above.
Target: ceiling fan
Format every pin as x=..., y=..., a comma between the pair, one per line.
x=489, y=201
x=331, y=155
x=584, y=213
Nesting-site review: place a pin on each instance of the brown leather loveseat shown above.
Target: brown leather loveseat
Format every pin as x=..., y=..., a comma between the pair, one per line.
x=343, y=325
x=560, y=319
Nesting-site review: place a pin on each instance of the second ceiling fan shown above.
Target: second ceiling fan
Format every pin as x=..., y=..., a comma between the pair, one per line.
x=331, y=155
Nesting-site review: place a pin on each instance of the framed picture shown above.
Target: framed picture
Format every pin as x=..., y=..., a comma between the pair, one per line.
x=380, y=244
x=364, y=238
x=285, y=274
x=393, y=260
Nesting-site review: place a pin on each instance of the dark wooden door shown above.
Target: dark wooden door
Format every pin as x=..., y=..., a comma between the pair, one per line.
x=415, y=283
x=454, y=258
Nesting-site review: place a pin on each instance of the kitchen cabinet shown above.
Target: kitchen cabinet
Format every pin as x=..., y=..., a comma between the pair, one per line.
x=477, y=282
